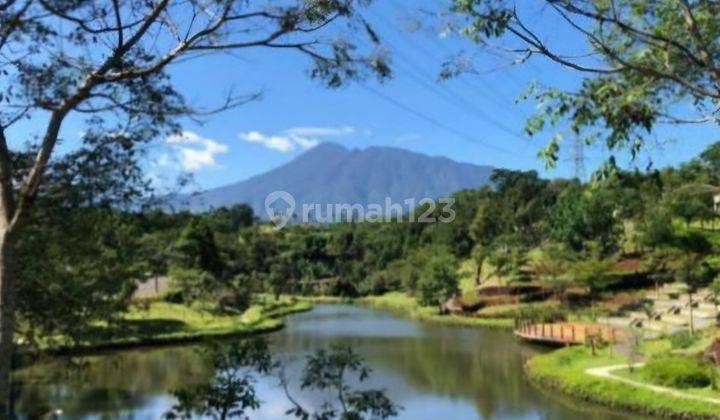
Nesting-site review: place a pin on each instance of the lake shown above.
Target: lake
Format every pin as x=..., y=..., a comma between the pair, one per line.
x=433, y=371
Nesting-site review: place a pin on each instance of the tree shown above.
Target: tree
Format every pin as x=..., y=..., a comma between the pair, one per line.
x=690, y=204
x=328, y=371
x=584, y=215
x=196, y=248
x=691, y=268
x=711, y=158
x=231, y=392
x=108, y=60
x=509, y=260
x=552, y=267
x=656, y=229
x=438, y=281
x=595, y=275
x=479, y=254
x=230, y=219
x=282, y=271
x=153, y=252
x=715, y=290
x=80, y=255
x=642, y=58
x=76, y=267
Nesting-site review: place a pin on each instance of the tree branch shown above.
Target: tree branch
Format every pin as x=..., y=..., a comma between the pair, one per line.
x=700, y=43
x=645, y=70
x=118, y=22
x=29, y=189
x=530, y=38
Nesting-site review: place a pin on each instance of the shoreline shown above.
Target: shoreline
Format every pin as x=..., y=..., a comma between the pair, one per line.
x=270, y=321
x=566, y=371
x=579, y=386
x=404, y=305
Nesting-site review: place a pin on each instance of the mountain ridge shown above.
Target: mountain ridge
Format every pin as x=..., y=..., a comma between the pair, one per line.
x=331, y=173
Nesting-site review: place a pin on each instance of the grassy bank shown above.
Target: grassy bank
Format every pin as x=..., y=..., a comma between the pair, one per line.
x=565, y=371
x=161, y=322
x=407, y=306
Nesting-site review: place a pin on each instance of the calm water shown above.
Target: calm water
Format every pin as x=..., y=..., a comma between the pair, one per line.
x=433, y=371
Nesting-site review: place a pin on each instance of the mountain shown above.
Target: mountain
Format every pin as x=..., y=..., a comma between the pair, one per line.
x=331, y=173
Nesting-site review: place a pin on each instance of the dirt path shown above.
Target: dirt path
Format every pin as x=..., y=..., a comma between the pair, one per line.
x=606, y=372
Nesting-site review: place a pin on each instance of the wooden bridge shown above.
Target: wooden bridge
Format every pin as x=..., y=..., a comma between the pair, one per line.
x=567, y=333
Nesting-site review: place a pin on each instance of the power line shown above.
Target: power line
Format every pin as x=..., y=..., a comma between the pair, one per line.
x=462, y=104
x=450, y=96
x=435, y=122
x=465, y=81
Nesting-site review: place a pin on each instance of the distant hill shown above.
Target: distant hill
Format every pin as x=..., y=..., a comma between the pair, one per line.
x=331, y=173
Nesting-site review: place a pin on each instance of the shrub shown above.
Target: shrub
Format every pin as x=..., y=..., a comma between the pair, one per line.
x=234, y=300
x=438, y=281
x=676, y=371
x=542, y=314
x=682, y=340
x=189, y=284
x=380, y=282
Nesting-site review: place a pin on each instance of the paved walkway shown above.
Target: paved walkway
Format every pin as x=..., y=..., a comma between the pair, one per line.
x=606, y=372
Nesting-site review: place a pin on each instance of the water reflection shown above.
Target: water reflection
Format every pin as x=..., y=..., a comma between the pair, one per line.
x=433, y=371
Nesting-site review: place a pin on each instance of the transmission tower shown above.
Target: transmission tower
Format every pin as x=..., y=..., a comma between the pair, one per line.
x=578, y=158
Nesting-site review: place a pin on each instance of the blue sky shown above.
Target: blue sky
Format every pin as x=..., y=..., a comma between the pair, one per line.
x=473, y=118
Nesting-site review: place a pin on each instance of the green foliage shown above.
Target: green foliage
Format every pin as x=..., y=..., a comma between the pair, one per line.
x=595, y=275
x=383, y=281
x=190, y=284
x=649, y=56
x=584, y=215
x=711, y=158
x=682, y=340
x=509, y=262
x=690, y=205
x=657, y=229
x=565, y=371
x=196, y=248
x=74, y=268
x=438, y=280
x=541, y=314
x=552, y=267
x=230, y=394
x=330, y=371
x=715, y=288
x=676, y=371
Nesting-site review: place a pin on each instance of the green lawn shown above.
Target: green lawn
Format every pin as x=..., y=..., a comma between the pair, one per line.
x=162, y=323
x=406, y=305
x=564, y=370
x=636, y=375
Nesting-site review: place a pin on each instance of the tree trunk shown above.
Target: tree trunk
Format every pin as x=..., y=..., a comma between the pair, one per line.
x=692, y=318
x=478, y=273
x=7, y=324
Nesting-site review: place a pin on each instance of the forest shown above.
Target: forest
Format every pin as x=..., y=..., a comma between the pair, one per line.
x=520, y=229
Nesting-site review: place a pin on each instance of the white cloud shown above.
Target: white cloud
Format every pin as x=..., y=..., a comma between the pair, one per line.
x=297, y=137
x=305, y=143
x=279, y=143
x=193, y=151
